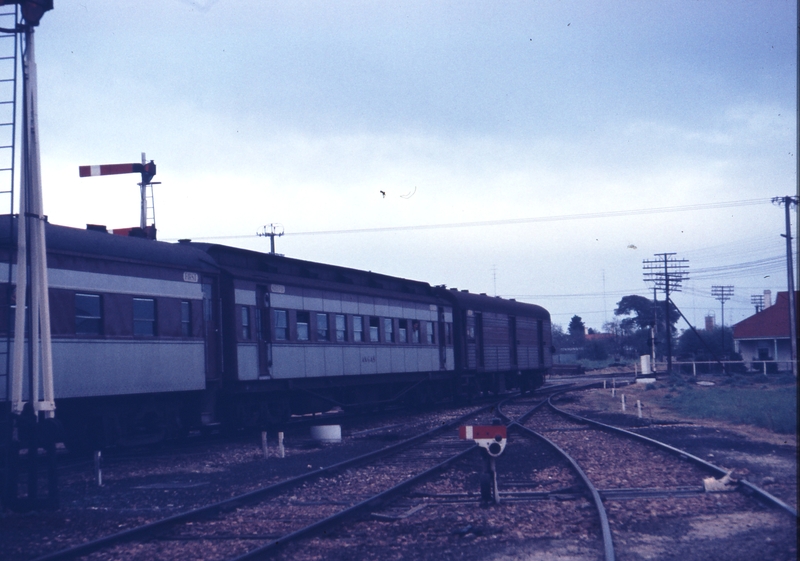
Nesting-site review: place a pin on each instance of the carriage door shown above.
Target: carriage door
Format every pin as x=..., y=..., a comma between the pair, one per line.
x=211, y=330
x=442, y=340
x=512, y=335
x=479, y=354
x=263, y=333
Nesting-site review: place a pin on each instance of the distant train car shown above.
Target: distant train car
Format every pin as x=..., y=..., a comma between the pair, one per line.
x=151, y=339
x=500, y=343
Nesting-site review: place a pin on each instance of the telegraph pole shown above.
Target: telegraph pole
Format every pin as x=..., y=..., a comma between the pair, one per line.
x=274, y=230
x=787, y=202
x=757, y=300
x=667, y=273
x=723, y=294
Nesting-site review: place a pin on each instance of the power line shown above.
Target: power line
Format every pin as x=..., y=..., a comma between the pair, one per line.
x=512, y=221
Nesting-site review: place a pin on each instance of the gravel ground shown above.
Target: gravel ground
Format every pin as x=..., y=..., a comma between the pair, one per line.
x=442, y=518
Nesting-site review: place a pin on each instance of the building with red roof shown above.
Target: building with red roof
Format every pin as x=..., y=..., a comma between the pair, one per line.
x=765, y=336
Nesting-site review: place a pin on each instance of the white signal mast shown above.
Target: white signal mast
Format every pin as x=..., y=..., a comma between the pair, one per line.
x=31, y=245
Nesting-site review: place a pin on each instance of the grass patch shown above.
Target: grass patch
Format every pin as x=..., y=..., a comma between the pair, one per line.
x=772, y=408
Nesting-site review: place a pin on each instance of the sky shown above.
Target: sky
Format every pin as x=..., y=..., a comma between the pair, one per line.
x=536, y=150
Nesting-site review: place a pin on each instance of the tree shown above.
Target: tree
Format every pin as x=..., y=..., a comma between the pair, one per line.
x=560, y=339
x=709, y=348
x=576, y=328
x=637, y=327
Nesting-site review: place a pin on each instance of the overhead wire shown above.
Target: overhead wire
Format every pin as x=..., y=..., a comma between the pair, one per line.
x=512, y=221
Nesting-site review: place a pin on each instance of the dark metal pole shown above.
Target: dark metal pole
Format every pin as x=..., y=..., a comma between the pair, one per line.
x=787, y=202
x=666, y=317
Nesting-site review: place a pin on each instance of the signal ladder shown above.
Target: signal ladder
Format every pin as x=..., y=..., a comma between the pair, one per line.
x=9, y=18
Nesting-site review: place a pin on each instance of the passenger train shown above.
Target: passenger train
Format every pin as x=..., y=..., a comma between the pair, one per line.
x=151, y=339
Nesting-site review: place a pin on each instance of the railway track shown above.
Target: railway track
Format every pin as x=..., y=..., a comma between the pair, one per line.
x=297, y=506
x=421, y=500
x=621, y=468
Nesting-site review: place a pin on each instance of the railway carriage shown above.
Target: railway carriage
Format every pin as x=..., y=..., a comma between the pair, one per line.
x=151, y=339
x=128, y=334
x=305, y=336
x=500, y=343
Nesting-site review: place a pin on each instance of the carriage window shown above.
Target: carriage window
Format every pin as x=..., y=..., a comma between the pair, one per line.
x=144, y=317
x=402, y=331
x=388, y=331
x=302, y=326
x=358, y=328
x=186, y=318
x=281, y=325
x=245, y=322
x=88, y=316
x=429, y=332
x=322, y=327
x=448, y=333
x=341, y=328
x=373, y=330
x=415, y=332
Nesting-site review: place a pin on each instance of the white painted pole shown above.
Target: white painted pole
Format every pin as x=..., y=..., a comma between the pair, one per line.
x=639, y=407
x=281, y=449
x=264, y=444
x=694, y=369
x=604, y=384
x=613, y=392
x=32, y=213
x=98, y=467
x=623, y=403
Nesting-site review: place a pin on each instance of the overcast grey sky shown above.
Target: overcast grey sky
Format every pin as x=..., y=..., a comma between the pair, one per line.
x=302, y=112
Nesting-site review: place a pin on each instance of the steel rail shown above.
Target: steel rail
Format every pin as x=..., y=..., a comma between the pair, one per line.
x=608, y=544
x=761, y=493
x=375, y=500
x=249, y=497
x=366, y=503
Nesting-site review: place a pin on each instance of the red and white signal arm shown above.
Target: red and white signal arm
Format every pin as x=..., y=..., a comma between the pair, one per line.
x=492, y=438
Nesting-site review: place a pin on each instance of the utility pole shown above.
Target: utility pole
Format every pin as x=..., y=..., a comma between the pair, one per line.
x=757, y=300
x=723, y=294
x=274, y=230
x=787, y=202
x=667, y=273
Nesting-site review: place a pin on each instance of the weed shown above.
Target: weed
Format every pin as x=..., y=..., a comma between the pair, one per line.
x=774, y=409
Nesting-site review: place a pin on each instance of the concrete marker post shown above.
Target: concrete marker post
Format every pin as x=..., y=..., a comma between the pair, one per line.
x=639, y=407
x=623, y=403
x=281, y=449
x=98, y=467
x=264, y=448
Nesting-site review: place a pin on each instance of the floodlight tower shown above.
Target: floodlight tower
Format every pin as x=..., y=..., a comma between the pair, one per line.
x=723, y=294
